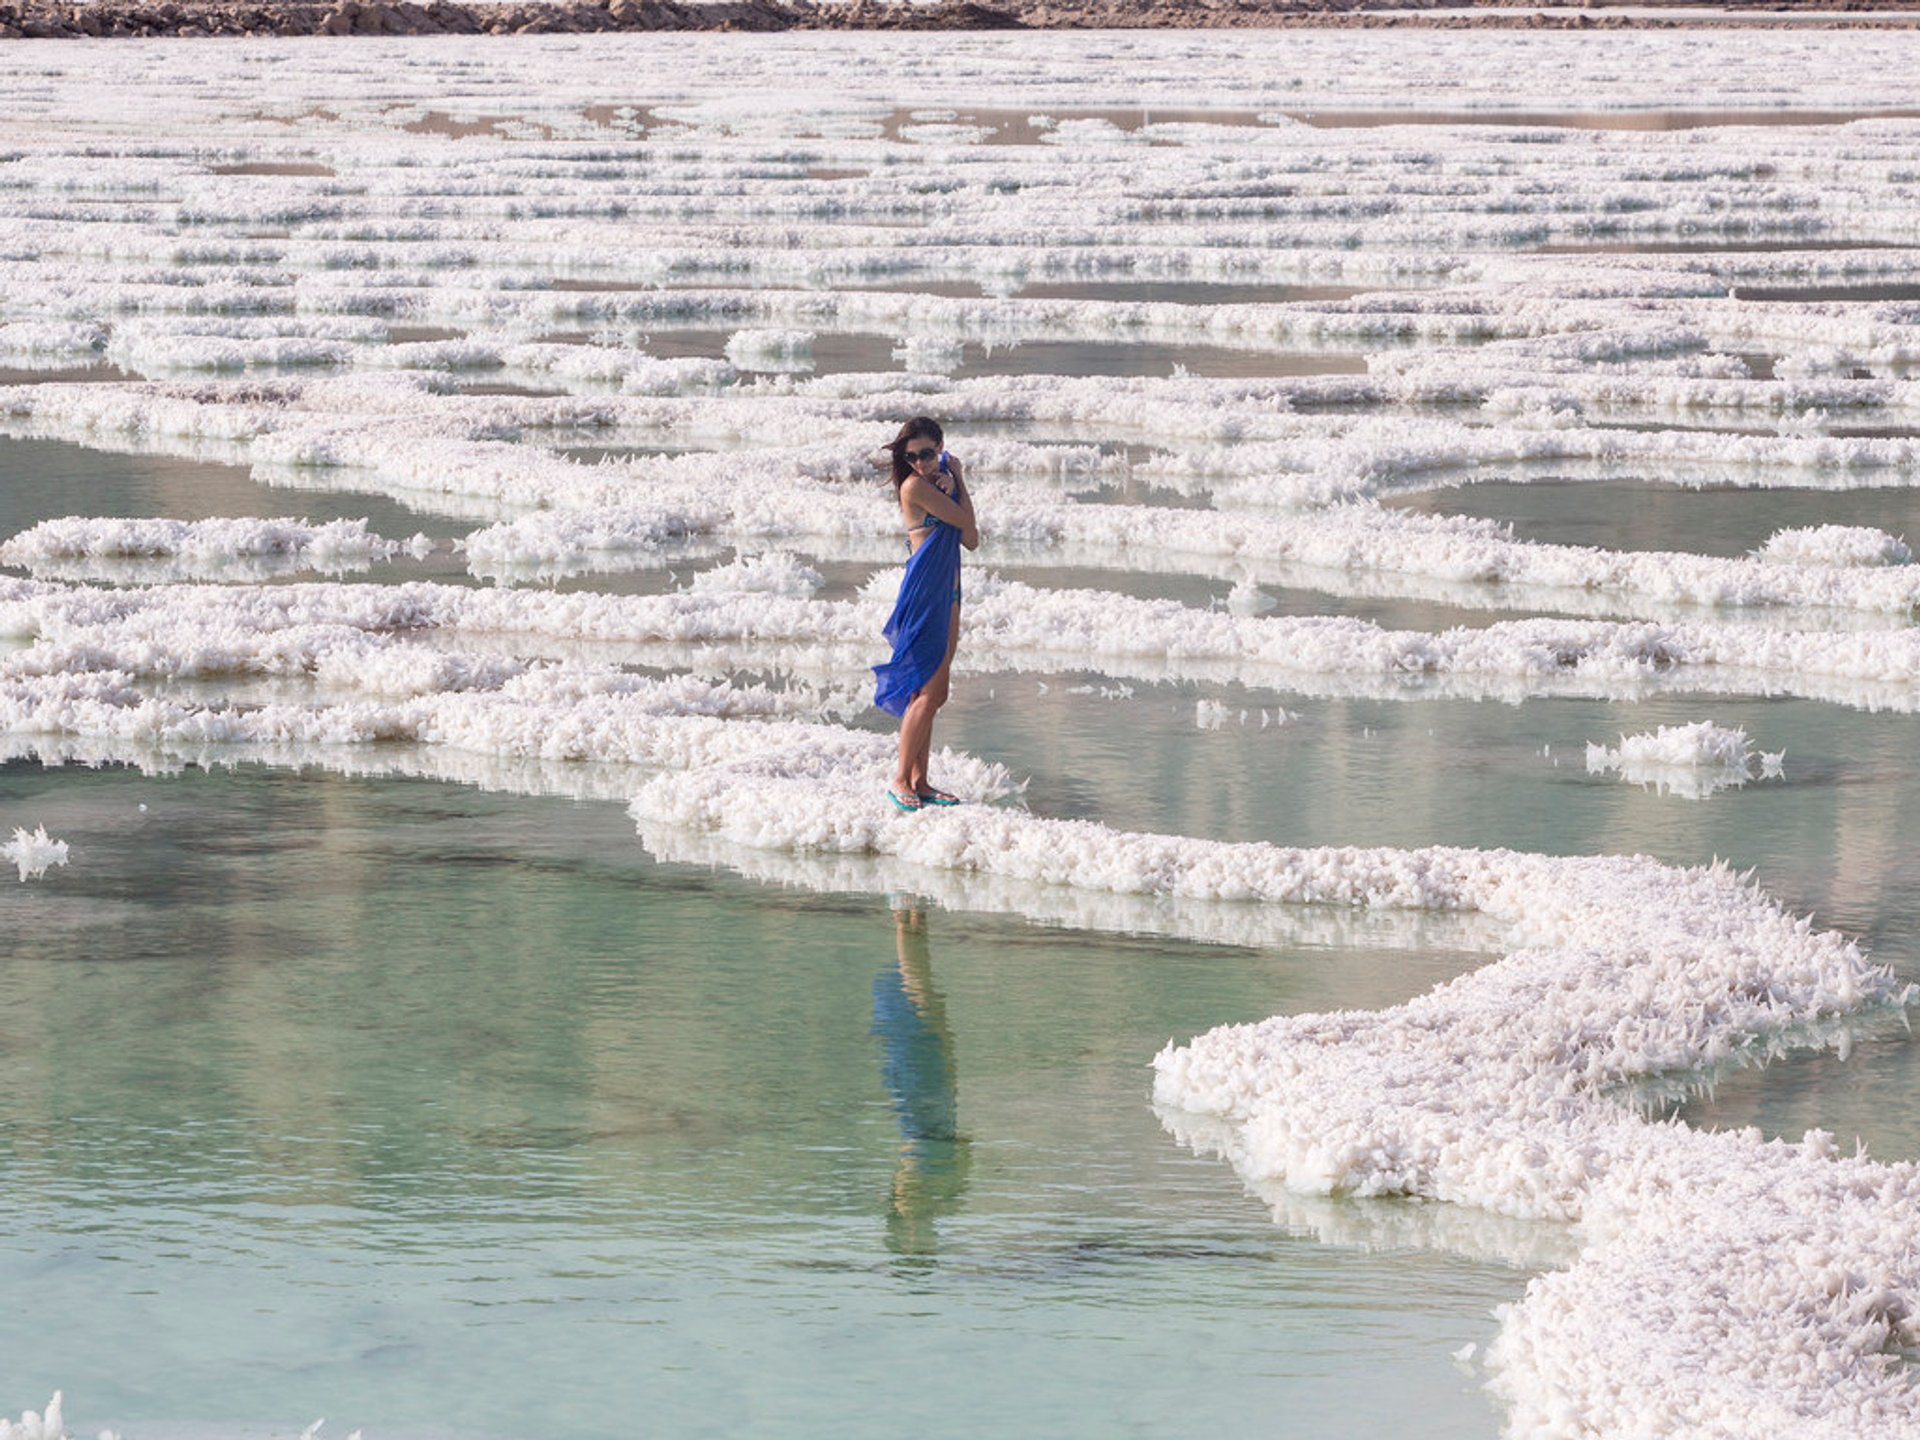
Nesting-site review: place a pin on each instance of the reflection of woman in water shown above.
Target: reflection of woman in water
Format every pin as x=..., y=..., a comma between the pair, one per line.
x=925, y=625
x=911, y=1018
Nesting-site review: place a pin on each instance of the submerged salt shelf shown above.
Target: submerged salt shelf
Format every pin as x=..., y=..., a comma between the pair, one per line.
x=515, y=340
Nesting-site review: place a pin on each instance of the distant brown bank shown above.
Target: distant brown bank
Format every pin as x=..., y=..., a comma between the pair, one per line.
x=107, y=19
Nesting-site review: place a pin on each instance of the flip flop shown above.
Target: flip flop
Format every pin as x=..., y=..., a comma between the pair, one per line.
x=908, y=802
x=931, y=796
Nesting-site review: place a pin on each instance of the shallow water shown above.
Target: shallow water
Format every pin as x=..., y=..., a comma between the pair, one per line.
x=457, y=1087
x=1650, y=515
x=436, y=1078
x=45, y=479
x=840, y=354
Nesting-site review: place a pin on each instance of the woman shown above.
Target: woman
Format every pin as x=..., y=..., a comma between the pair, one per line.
x=925, y=625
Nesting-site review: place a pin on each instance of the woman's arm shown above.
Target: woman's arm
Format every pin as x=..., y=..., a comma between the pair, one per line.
x=955, y=509
x=963, y=497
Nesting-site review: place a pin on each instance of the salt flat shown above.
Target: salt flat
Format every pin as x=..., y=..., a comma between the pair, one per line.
x=729, y=265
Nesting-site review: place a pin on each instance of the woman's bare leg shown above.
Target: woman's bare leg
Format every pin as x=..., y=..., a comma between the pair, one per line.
x=916, y=736
x=916, y=725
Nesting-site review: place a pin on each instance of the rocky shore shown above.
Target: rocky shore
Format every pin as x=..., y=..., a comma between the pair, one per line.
x=63, y=19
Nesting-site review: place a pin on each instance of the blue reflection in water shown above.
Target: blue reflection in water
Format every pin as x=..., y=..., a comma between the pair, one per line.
x=917, y=1065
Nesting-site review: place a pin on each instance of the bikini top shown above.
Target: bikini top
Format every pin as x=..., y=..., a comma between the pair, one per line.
x=929, y=520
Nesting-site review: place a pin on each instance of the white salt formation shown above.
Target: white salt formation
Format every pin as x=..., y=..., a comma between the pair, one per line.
x=1859, y=545
x=775, y=350
x=1728, y=1285
x=774, y=573
x=33, y=854
x=34, y=1425
x=1242, y=346
x=761, y=609
x=1691, y=760
x=84, y=547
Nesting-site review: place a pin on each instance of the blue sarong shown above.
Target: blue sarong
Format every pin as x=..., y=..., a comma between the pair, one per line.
x=917, y=629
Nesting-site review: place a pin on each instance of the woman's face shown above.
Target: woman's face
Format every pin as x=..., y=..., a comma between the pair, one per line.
x=923, y=454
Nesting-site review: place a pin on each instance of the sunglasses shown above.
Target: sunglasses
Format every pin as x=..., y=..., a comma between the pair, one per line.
x=917, y=456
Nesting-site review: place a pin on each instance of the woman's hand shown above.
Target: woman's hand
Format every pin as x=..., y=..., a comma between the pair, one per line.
x=970, y=532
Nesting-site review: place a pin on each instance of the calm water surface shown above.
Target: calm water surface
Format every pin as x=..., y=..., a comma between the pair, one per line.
x=445, y=1111
x=1646, y=514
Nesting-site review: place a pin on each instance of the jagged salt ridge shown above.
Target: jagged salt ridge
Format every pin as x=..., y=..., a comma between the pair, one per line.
x=1250, y=427
x=699, y=497
x=603, y=718
x=1577, y=292
x=94, y=547
x=1836, y=545
x=180, y=632
x=1492, y=1091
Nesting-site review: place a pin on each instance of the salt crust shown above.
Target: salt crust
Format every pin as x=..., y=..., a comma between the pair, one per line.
x=1490, y=1092
x=771, y=349
x=88, y=547
x=175, y=632
x=82, y=680
x=774, y=573
x=51, y=1425
x=1858, y=545
x=35, y=1425
x=1692, y=760
x=33, y=853
x=688, y=498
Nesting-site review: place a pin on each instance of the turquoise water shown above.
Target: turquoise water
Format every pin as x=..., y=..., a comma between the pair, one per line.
x=445, y=1111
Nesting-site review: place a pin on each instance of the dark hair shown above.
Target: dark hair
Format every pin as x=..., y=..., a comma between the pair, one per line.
x=916, y=427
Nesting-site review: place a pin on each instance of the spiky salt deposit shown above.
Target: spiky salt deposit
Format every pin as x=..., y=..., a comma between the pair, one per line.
x=36, y=1425
x=777, y=350
x=1839, y=545
x=90, y=547
x=1693, y=760
x=33, y=854
x=930, y=354
x=774, y=573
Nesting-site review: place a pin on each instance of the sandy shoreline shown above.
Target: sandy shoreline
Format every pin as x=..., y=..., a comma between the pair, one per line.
x=61, y=19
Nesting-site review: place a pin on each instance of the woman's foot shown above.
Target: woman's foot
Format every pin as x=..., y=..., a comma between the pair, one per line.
x=933, y=795
x=906, y=800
